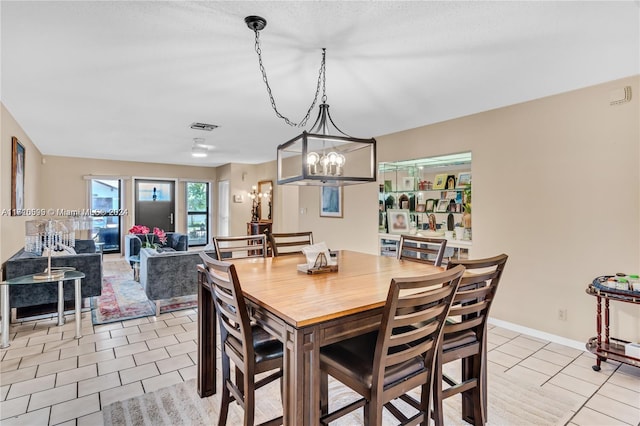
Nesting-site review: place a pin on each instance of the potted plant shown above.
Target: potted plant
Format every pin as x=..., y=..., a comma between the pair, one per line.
x=466, y=217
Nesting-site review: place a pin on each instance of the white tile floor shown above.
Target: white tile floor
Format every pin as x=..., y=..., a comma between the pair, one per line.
x=48, y=378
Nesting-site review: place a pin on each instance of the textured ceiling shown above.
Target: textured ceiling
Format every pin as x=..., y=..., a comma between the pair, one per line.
x=124, y=80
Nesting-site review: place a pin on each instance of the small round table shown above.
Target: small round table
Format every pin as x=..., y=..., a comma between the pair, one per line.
x=32, y=279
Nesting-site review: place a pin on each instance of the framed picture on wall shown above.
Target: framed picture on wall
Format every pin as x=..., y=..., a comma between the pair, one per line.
x=440, y=181
x=464, y=179
x=331, y=201
x=398, y=220
x=17, y=177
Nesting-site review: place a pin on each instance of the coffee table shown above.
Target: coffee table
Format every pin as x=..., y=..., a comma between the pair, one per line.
x=69, y=275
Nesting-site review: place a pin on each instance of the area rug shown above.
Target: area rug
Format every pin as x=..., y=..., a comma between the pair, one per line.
x=125, y=299
x=509, y=404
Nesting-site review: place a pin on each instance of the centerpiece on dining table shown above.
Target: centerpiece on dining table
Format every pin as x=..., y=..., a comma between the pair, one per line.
x=319, y=259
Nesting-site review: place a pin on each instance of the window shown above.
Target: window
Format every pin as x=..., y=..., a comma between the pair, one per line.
x=154, y=191
x=106, y=213
x=197, y=213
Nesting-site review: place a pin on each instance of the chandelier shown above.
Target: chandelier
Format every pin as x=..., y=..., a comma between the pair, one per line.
x=324, y=155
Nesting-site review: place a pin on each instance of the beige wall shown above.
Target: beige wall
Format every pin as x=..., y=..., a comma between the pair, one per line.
x=64, y=185
x=358, y=228
x=241, y=178
x=12, y=227
x=555, y=186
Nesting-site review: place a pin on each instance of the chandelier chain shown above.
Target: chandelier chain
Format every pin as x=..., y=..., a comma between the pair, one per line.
x=321, y=82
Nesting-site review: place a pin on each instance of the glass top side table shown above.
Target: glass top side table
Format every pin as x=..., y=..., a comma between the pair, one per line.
x=69, y=275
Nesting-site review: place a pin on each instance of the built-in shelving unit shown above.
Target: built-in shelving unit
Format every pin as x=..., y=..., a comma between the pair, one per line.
x=424, y=186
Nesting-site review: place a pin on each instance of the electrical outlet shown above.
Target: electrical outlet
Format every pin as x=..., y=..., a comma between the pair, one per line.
x=562, y=314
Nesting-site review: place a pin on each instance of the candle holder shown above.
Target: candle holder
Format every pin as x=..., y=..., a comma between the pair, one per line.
x=50, y=235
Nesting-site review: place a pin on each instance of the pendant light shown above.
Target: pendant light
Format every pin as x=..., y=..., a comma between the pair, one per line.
x=324, y=155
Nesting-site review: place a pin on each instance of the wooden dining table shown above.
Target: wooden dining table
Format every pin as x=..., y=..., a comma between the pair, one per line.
x=305, y=312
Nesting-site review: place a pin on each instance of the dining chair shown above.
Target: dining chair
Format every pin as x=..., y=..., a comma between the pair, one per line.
x=252, y=350
x=422, y=249
x=240, y=247
x=465, y=338
x=284, y=243
x=386, y=364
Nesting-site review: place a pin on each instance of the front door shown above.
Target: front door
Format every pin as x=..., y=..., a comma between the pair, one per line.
x=155, y=204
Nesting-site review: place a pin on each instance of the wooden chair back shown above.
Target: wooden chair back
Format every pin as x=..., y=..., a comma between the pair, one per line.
x=422, y=249
x=240, y=247
x=464, y=339
x=412, y=322
x=231, y=308
x=284, y=243
x=475, y=295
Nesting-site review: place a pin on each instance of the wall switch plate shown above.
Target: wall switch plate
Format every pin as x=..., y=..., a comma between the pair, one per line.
x=238, y=199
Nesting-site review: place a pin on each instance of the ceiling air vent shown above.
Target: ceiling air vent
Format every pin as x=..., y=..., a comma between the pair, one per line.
x=203, y=126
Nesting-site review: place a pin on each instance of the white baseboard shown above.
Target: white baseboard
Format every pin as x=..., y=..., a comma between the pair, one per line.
x=575, y=344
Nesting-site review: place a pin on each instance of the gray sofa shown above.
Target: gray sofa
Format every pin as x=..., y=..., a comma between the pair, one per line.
x=169, y=274
x=85, y=260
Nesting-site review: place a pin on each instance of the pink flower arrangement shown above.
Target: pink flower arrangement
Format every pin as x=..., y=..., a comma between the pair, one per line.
x=141, y=229
x=162, y=236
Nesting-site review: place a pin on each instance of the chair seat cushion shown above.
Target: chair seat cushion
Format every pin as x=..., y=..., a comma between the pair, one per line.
x=353, y=358
x=455, y=340
x=265, y=346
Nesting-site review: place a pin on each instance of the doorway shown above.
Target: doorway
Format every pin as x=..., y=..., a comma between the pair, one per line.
x=155, y=204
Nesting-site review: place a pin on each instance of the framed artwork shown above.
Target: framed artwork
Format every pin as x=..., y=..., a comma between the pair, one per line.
x=398, y=221
x=17, y=177
x=440, y=181
x=443, y=206
x=464, y=179
x=421, y=208
x=451, y=182
x=408, y=183
x=331, y=201
x=430, y=204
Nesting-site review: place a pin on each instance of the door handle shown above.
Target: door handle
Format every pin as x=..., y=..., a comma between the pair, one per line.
x=171, y=218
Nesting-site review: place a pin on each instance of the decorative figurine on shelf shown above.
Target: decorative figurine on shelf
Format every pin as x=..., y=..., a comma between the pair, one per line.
x=450, y=222
x=432, y=222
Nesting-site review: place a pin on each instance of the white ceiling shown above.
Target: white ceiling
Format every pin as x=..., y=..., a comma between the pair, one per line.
x=124, y=80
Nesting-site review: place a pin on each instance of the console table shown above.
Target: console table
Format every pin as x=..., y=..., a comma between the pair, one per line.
x=257, y=228
x=69, y=275
x=604, y=347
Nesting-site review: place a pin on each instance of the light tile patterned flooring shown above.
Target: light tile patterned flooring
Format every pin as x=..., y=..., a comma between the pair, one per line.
x=48, y=378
